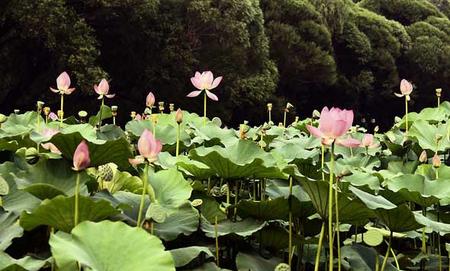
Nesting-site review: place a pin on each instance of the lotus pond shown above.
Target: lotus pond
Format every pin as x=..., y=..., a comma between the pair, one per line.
x=179, y=191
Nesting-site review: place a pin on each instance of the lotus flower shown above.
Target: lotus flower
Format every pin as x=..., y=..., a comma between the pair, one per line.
x=205, y=82
x=53, y=116
x=436, y=160
x=63, y=84
x=405, y=89
x=150, y=100
x=51, y=147
x=138, y=117
x=368, y=141
x=333, y=124
x=102, y=89
x=149, y=148
x=81, y=158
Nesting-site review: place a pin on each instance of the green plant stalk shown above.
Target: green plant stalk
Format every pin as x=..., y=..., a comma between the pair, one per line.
x=236, y=193
x=319, y=247
x=216, y=236
x=62, y=110
x=204, y=108
x=100, y=113
x=395, y=259
x=438, y=101
x=228, y=195
x=77, y=192
x=377, y=262
x=144, y=191
x=337, y=226
x=178, y=141
x=424, y=245
x=323, y=162
x=270, y=116
x=383, y=266
x=330, y=211
x=284, y=119
x=290, y=223
x=406, y=114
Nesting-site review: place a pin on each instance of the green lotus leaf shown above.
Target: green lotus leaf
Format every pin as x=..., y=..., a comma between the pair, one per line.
x=59, y=211
x=110, y=132
x=436, y=226
x=363, y=258
x=109, y=246
x=255, y=262
x=360, y=178
x=275, y=236
x=185, y=255
x=264, y=210
x=4, y=187
x=101, y=152
x=417, y=189
x=50, y=178
x=9, y=229
x=425, y=133
x=27, y=263
x=241, y=160
x=188, y=166
x=242, y=228
x=103, y=113
x=182, y=220
x=373, y=238
x=170, y=188
x=19, y=201
x=19, y=124
x=210, y=208
x=211, y=133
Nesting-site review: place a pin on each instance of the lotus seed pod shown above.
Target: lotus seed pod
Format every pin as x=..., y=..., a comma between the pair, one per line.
x=106, y=173
x=16, y=111
x=39, y=105
x=282, y=267
x=215, y=191
x=161, y=107
x=423, y=157
x=133, y=115
x=171, y=107
x=47, y=110
x=438, y=92
x=197, y=202
x=224, y=189
x=60, y=114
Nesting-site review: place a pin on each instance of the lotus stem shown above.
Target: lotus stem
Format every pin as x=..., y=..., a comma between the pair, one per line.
x=178, y=140
x=62, y=110
x=383, y=266
x=377, y=262
x=395, y=259
x=236, y=193
x=144, y=191
x=290, y=223
x=216, y=236
x=323, y=162
x=284, y=118
x=424, y=245
x=406, y=114
x=319, y=247
x=330, y=211
x=77, y=192
x=337, y=226
x=100, y=113
x=204, y=108
x=228, y=195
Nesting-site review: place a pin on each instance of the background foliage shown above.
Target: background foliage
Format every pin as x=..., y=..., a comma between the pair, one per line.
x=308, y=52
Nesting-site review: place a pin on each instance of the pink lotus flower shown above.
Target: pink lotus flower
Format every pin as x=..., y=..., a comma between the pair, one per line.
x=102, y=89
x=149, y=148
x=333, y=124
x=405, y=89
x=81, y=158
x=368, y=142
x=205, y=82
x=138, y=117
x=63, y=84
x=51, y=147
x=53, y=116
x=150, y=100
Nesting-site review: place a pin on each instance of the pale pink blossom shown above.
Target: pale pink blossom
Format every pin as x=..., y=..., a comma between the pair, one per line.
x=103, y=89
x=205, y=82
x=63, y=84
x=150, y=100
x=368, y=141
x=149, y=148
x=333, y=124
x=81, y=159
x=405, y=89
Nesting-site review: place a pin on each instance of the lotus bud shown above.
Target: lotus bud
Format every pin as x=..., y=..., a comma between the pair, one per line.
x=148, y=146
x=179, y=116
x=81, y=159
x=436, y=160
x=39, y=105
x=269, y=107
x=438, y=92
x=133, y=115
x=60, y=114
x=114, y=109
x=171, y=107
x=16, y=111
x=161, y=107
x=150, y=100
x=423, y=158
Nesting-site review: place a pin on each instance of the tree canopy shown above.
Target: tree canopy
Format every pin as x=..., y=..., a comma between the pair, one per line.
x=308, y=52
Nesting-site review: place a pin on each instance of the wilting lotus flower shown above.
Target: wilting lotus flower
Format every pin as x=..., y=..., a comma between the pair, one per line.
x=53, y=116
x=63, y=84
x=149, y=148
x=333, y=124
x=81, y=158
x=368, y=141
x=405, y=89
x=150, y=100
x=51, y=147
x=179, y=116
x=204, y=82
x=102, y=89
